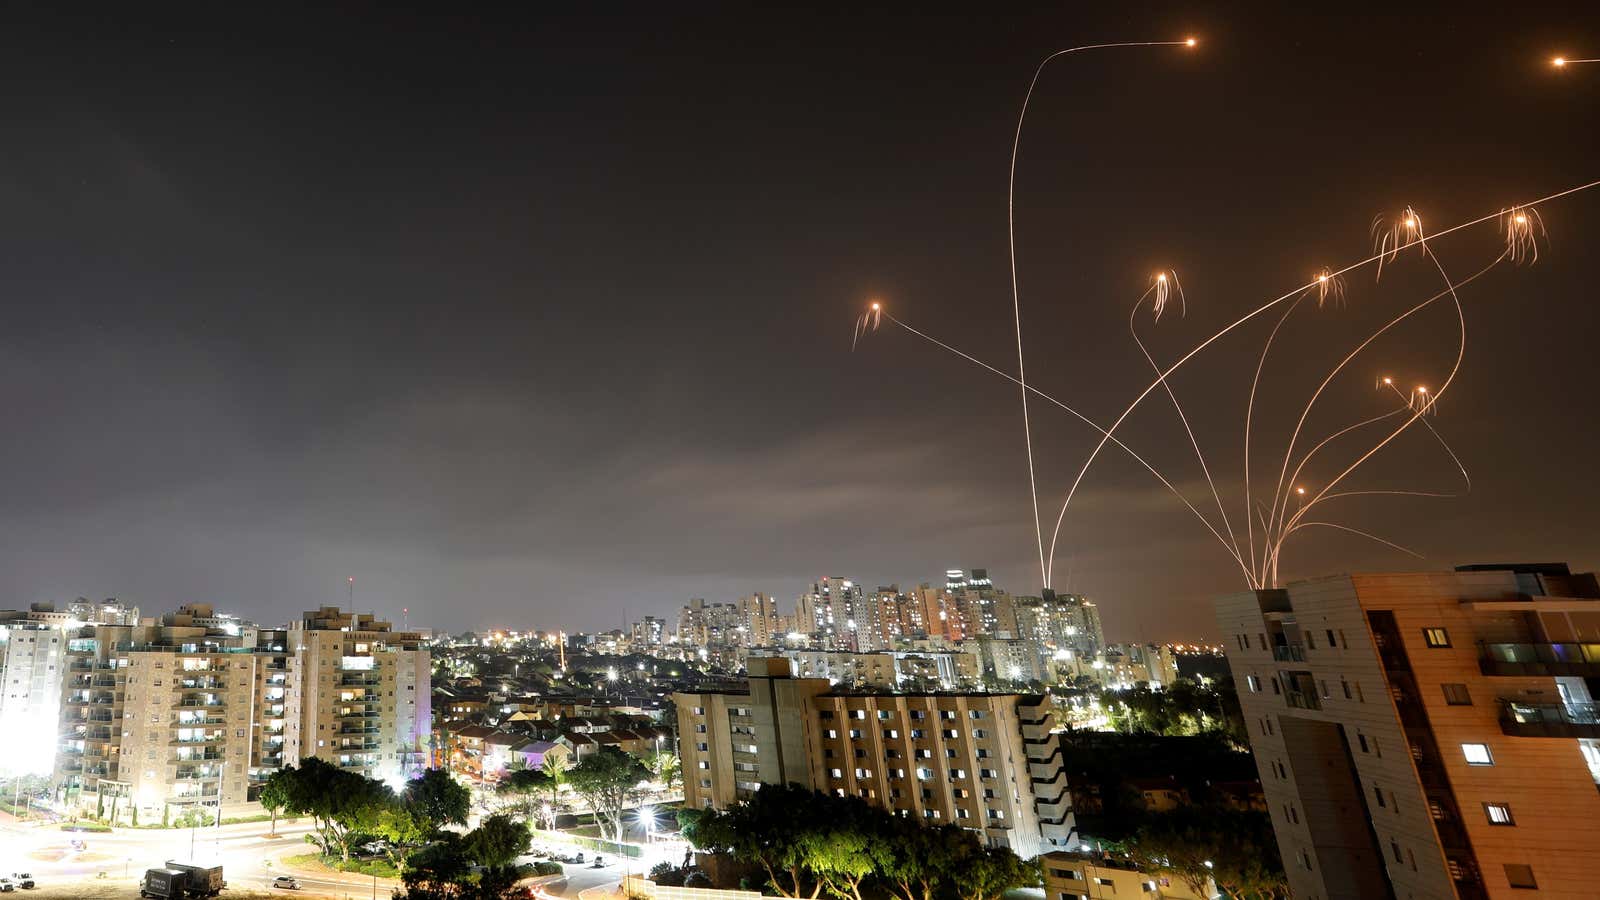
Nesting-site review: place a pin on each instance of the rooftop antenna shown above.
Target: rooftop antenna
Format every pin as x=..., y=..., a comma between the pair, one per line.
x=352, y=596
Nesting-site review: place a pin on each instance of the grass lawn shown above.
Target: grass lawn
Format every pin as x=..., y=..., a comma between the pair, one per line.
x=378, y=866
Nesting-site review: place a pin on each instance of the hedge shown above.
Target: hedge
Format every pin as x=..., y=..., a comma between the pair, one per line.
x=590, y=843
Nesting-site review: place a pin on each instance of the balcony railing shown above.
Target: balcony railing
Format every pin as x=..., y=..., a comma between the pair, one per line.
x=1540, y=659
x=1560, y=720
x=1289, y=653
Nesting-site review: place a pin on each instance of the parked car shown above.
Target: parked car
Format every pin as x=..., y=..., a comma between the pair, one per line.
x=23, y=879
x=7, y=885
x=287, y=883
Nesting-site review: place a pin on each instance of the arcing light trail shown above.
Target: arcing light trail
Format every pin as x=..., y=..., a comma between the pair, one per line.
x=1195, y=351
x=1016, y=301
x=1519, y=225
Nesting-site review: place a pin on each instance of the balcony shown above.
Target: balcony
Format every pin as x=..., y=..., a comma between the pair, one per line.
x=1289, y=653
x=201, y=704
x=1557, y=720
x=1540, y=659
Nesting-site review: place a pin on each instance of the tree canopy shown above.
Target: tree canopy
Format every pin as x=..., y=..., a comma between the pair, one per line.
x=608, y=780
x=811, y=845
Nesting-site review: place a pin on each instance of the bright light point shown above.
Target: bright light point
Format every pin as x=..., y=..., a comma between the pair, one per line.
x=1322, y=278
x=1388, y=381
x=1558, y=62
x=1300, y=490
x=1189, y=43
x=1422, y=390
x=875, y=306
x=1162, y=277
x=1411, y=223
x=1521, y=219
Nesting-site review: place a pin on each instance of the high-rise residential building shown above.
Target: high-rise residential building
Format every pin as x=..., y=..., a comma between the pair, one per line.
x=1426, y=734
x=35, y=649
x=1126, y=665
x=166, y=715
x=828, y=612
x=648, y=634
x=758, y=616
x=360, y=697
x=981, y=608
x=884, y=669
x=934, y=609
x=1061, y=626
x=982, y=761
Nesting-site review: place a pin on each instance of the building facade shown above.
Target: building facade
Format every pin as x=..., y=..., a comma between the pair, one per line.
x=982, y=761
x=360, y=697
x=1426, y=735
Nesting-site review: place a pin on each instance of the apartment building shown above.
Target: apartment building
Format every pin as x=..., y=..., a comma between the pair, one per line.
x=983, y=761
x=198, y=709
x=360, y=697
x=166, y=714
x=1424, y=735
x=33, y=663
x=887, y=669
x=1074, y=876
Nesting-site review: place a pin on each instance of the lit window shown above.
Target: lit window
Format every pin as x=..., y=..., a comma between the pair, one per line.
x=1254, y=681
x=1477, y=754
x=1436, y=637
x=1499, y=814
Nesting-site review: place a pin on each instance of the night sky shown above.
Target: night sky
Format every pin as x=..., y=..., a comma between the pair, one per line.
x=542, y=318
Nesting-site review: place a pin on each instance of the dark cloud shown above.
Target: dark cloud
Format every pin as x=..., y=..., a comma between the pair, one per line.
x=544, y=319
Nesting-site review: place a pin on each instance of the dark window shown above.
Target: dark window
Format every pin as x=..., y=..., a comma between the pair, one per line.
x=1521, y=876
x=1456, y=695
x=1331, y=641
x=1311, y=641
x=1362, y=740
x=1377, y=792
x=1436, y=637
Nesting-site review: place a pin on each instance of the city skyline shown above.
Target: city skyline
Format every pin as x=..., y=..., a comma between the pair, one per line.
x=483, y=322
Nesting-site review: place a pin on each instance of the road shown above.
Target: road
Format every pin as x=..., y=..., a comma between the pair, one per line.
x=249, y=854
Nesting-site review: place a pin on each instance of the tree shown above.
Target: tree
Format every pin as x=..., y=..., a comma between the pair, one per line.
x=665, y=767
x=920, y=862
x=444, y=871
x=275, y=795
x=760, y=831
x=402, y=826
x=988, y=872
x=608, y=780
x=557, y=770
x=438, y=799
x=341, y=804
x=1236, y=849
x=498, y=841
x=526, y=788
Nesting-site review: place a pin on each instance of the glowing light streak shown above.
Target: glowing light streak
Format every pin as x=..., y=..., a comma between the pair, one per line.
x=1196, y=350
x=1011, y=248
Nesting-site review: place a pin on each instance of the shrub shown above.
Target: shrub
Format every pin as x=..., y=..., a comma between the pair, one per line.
x=547, y=867
x=697, y=879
